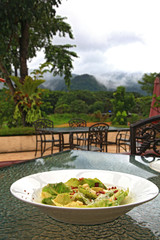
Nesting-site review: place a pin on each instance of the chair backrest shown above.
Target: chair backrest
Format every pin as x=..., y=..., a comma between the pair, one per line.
x=98, y=134
x=77, y=122
x=43, y=123
x=145, y=137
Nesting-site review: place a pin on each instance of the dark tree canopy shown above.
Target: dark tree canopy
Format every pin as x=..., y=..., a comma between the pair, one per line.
x=27, y=26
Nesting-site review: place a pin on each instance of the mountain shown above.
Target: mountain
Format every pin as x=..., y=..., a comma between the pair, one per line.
x=78, y=82
x=108, y=81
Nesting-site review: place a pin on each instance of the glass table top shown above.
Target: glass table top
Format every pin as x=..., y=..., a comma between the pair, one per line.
x=23, y=221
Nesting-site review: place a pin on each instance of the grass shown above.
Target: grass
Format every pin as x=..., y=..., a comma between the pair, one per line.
x=60, y=119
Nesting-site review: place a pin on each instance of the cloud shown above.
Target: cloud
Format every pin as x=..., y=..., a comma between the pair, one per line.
x=112, y=35
x=123, y=38
x=90, y=62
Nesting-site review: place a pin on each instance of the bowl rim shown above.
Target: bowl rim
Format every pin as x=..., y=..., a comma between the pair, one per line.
x=128, y=205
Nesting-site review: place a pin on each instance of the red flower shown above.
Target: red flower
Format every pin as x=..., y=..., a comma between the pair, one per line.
x=2, y=80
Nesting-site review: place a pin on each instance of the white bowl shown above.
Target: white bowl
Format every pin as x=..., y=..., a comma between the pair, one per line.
x=155, y=165
x=28, y=189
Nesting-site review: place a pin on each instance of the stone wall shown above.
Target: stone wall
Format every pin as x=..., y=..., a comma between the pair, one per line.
x=17, y=144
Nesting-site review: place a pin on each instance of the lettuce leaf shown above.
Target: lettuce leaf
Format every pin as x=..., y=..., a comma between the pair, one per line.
x=88, y=193
x=92, y=182
x=56, y=188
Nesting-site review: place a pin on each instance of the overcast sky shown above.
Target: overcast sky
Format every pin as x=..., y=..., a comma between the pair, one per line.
x=112, y=35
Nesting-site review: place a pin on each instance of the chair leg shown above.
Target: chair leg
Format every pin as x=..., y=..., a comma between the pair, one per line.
x=117, y=147
x=41, y=149
x=52, y=144
x=36, y=145
x=106, y=147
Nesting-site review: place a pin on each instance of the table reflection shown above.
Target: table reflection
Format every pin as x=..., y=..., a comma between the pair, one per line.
x=22, y=221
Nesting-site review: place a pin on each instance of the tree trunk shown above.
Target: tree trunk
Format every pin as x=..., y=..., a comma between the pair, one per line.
x=24, y=41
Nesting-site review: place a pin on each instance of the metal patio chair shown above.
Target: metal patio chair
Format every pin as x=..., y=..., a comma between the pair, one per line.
x=97, y=138
x=123, y=141
x=44, y=136
x=78, y=138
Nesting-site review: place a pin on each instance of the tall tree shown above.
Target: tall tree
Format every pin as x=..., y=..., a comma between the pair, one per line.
x=27, y=26
x=147, y=82
x=122, y=104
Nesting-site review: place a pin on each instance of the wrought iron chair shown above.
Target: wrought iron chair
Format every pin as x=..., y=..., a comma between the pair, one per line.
x=44, y=135
x=97, y=138
x=145, y=137
x=123, y=141
x=78, y=138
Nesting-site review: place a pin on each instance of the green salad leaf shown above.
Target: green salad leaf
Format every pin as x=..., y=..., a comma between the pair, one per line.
x=83, y=192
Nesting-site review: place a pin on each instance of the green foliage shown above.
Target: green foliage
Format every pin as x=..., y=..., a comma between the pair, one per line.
x=62, y=61
x=76, y=106
x=147, y=83
x=122, y=103
x=66, y=98
x=98, y=105
x=133, y=118
x=27, y=27
x=63, y=108
x=72, y=103
x=87, y=96
x=38, y=17
x=63, y=118
x=59, y=119
x=120, y=118
x=7, y=106
x=98, y=115
x=27, y=96
x=17, y=131
x=49, y=99
x=29, y=85
x=77, y=100
x=79, y=106
x=93, y=100
x=142, y=106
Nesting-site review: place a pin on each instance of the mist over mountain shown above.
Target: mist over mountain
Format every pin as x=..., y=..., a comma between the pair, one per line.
x=114, y=79
x=78, y=82
x=105, y=82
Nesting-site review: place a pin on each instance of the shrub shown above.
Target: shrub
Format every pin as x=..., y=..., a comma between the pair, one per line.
x=98, y=105
x=63, y=108
x=17, y=131
x=133, y=118
x=79, y=106
x=98, y=115
x=121, y=118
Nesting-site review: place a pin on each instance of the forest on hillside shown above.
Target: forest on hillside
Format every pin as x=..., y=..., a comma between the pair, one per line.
x=80, y=102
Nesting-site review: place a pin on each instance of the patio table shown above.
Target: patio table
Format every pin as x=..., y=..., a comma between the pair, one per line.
x=20, y=220
x=71, y=130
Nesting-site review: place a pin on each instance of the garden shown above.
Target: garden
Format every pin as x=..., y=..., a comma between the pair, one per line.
x=117, y=108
